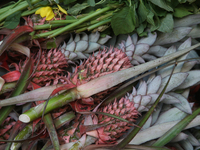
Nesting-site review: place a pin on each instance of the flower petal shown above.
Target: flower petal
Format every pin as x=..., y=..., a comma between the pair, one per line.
x=62, y=10
x=49, y=15
x=38, y=11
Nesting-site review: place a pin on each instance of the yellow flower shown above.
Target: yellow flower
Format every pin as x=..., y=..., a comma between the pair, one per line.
x=62, y=10
x=45, y=12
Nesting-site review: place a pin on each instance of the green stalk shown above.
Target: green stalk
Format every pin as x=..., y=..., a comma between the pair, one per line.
x=80, y=21
x=8, y=87
x=24, y=134
x=5, y=9
x=98, y=24
x=175, y=130
x=63, y=21
x=46, y=26
x=52, y=131
x=29, y=12
x=55, y=102
x=23, y=5
x=41, y=35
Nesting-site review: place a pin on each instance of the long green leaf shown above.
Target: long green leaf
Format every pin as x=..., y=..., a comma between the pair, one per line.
x=133, y=133
x=52, y=131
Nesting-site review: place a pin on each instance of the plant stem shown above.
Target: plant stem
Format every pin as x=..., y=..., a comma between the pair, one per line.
x=55, y=102
x=41, y=35
x=63, y=21
x=23, y=5
x=29, y=12
x=46, y=26
x=98, y=24
x=8, y=87
x=80, y=21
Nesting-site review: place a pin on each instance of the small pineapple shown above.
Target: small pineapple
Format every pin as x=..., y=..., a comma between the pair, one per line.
x=51, y=68
x=105, y=62
x=123, y=108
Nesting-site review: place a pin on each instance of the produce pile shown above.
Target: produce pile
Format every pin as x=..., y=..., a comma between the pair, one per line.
x=99, y=74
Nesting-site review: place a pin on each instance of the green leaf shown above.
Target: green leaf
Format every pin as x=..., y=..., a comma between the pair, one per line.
x=141, y=28
x=91, y=2
x=167, y=24
x=51, y=44
x=142, y=11
x=181, y=11
x=66, y=2
x=29, y=3
x=122, y=21
x=75, y=10
x=150, y=19
x=13, y=20
x=162, y=4
x=182, y=1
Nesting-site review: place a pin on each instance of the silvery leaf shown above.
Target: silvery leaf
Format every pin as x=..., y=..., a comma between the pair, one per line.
x=184, y=105
x=172, y=114
x=138, y=59
x=140, y=49
x=148, y=57
x=84, y=37
x=137, y=99
x=142, y=89
x=92, y=47
x=154, y=97
x=186, y=93
x=134, y=92
x=128, y=41
x=81, y=46
x=156, y=113
x=130, y=48
x=181, y=136
x=157, y=50
x=145, y=100
x=134, y=38
x=129, y=53
x=80, y=55
x=187, y=66
x=147, y=123
x=192, y=79
x=154, y=85
x=71, y=46
x=187, y=21
x=71, y=39
x=170, y=99
x=185, y=144
x=134, y=62
x=150, y=39
x=142, y=108
x=195, y=32
x=72, y=56
x=157, y=131
x=172, y=37
x=192, y=139
x=103, y=40
x=176, y=80
x=184, y=45
x=63, y=46
x=94, y=37
x=77, y=38
x=150, y=78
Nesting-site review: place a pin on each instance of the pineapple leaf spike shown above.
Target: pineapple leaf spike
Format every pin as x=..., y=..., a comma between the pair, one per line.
x=100, y=84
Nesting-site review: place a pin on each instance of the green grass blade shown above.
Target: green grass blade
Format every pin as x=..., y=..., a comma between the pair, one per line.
x=52, y=131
